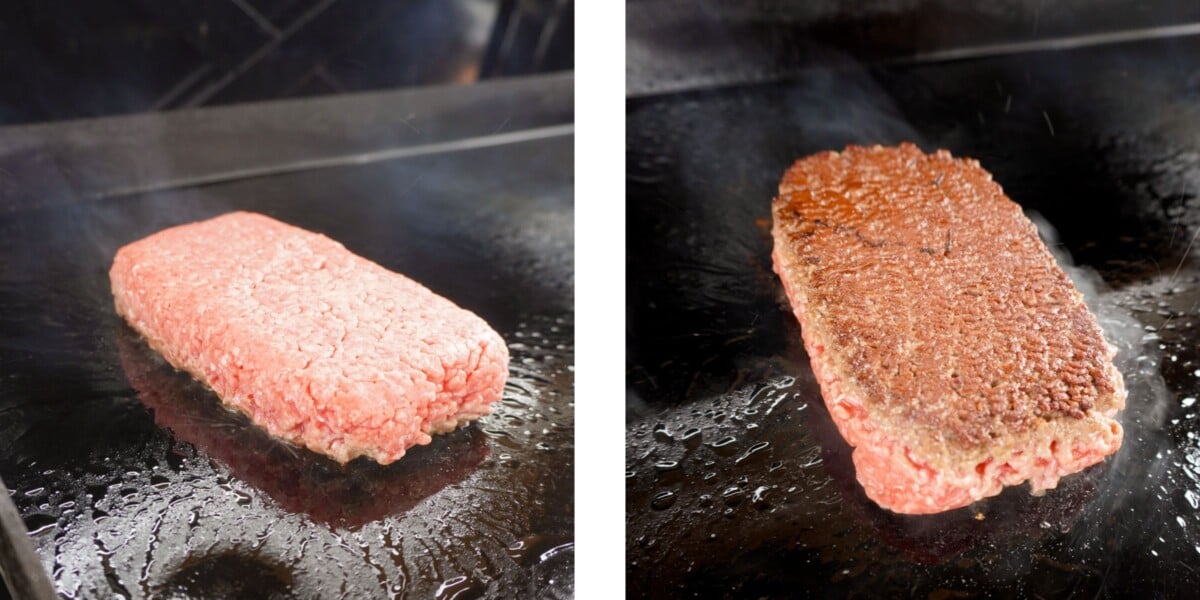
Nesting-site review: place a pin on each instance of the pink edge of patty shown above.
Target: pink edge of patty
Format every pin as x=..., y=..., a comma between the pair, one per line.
x=898, y=479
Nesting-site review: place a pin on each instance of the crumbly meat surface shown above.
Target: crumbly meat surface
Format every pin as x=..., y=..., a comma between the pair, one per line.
x=941, y=322
x=318, y=346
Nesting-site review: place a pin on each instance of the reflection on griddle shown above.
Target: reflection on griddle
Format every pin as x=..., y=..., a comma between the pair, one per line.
x=230, y=576
x=297, y=479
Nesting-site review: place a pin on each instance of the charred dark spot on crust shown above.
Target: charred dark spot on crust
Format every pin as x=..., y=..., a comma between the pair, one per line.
x=864, y=239
x=794, y=213
x=851, y=230
x=799, y=236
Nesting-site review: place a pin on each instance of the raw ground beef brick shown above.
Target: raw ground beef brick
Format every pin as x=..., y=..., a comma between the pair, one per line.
x=318, y=346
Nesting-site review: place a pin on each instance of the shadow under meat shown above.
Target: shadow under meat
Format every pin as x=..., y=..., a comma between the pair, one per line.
x=299, y=480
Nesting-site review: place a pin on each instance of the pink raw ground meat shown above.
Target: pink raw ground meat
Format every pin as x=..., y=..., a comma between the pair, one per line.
x=952, y=351
x=316, y=345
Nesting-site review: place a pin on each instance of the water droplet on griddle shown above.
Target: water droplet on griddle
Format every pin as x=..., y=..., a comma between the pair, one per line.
x=692, y=438
x=663, y=435
x=663, y=501
x=733, y=496
x=752, y=450
x=759, y=497
x=725, y=446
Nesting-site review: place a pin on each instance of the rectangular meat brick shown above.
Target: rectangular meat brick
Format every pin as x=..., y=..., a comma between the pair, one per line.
x=318, y=346
x=953, y=353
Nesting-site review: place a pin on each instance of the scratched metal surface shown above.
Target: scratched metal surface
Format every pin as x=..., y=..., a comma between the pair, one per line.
x=737, y=483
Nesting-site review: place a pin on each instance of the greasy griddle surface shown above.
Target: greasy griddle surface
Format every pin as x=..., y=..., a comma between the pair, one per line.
x=737, y=482
x=134, y=481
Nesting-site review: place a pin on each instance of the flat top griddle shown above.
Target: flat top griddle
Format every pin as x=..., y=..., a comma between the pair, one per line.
x=738, y=484
x=131, y=478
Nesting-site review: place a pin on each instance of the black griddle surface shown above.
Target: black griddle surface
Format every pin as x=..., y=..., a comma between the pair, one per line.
x=737, y=482
x=135, y=483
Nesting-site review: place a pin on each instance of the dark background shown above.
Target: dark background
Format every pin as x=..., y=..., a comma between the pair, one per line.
x=675, y=45
x=66, y=60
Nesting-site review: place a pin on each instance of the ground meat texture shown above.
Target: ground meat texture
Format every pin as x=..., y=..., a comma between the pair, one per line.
x=318, y=346
x=952, y=351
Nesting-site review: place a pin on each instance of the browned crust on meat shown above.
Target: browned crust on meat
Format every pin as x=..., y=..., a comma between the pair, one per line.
x=942, y=308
